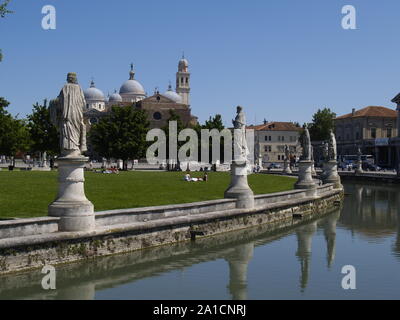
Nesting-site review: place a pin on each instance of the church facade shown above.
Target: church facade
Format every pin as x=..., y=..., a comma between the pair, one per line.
x=132, y=93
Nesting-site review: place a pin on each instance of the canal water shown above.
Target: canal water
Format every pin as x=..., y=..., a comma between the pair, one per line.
x=301, y=262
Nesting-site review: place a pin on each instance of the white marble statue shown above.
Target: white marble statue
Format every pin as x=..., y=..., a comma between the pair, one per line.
x=287, y=152
x=241, y=150
x=67, y=115
x=332, y=146
x=306, y=145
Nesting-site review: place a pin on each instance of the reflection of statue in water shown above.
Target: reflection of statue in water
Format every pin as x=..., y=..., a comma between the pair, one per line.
x=304, y=240
x=306, y=145
x=240, y=145
x=238, y=260
x=67, y=115
x=332, y=154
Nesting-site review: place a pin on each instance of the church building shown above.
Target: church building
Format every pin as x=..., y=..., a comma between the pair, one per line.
x=132, y=93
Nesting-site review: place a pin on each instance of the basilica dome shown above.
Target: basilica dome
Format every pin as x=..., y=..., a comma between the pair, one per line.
x=115, y=97
x=93, y=94
x=131, y=86
x=172, y=95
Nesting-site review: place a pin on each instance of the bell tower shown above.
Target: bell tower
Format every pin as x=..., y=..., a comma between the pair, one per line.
x=183, y=80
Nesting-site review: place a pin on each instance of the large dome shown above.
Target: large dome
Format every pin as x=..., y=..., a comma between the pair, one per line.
x=93, y=94
x=115, y=97
x=172, y=95
x=131, y=86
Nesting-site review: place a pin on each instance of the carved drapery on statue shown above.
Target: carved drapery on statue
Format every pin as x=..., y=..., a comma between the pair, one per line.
x=241, y=150
x=325, y=151
x=67, y=115
x=306, y=145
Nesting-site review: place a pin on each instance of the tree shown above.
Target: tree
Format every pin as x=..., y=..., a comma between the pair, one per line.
x=3, y=12
x=322, y=123
x=121, y=135
x=3, y=8
x=215, y=123
x=44, y=135
x=14, y=134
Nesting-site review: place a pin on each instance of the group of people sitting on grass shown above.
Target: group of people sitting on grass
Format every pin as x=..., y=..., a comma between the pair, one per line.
x=194, y=179
x=108, y=170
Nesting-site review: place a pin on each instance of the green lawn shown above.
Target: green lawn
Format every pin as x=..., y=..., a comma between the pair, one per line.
x=27, y=194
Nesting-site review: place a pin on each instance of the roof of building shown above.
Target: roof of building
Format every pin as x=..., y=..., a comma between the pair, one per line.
x=371, y=111
x=132, y=86
x=172, y=95
x=276, y=126
x=115, y=97
x=93, y=94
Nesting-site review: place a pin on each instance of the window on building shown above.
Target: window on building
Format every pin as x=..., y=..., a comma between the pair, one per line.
x=157, y=116
x=373, y=133
x=357, y=135
x=283, y=138
x=389, y=132
x=279, y=157
x=187, y=80
x=266, y=138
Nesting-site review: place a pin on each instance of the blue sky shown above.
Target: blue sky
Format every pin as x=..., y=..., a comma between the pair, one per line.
x=280, y=59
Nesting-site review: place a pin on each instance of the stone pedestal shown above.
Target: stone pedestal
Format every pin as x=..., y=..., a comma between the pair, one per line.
x=305, y=179
x=286, y=167
x=76, y=212
x=331, y=174
x=239, y=188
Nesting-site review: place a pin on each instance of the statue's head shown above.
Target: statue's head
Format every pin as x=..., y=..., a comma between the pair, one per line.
x=239, y=109
x=72, y=78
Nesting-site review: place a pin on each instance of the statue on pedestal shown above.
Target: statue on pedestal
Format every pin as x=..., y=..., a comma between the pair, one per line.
x=239, y=188
x=66, y=113
x=76, y=212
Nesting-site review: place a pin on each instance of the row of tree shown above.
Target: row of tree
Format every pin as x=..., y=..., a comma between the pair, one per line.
x=121, y=134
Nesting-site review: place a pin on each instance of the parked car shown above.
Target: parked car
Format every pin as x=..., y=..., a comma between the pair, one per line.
x=274, y=166
x=370, y=167
x=345, y=166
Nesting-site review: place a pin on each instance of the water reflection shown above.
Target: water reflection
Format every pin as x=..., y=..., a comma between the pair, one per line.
x=369, y=212
x=238, y=262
